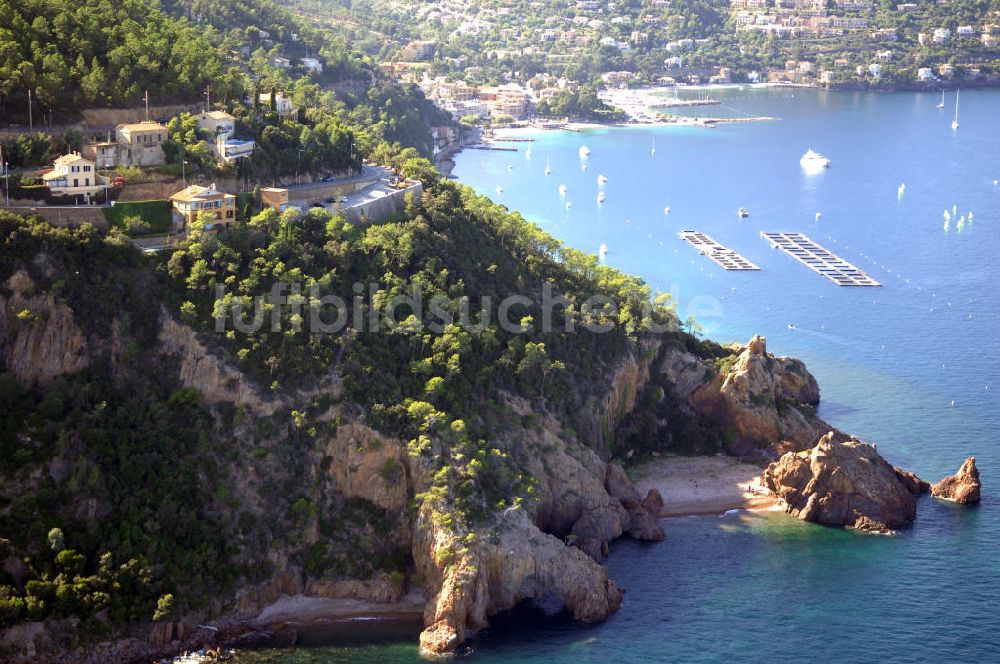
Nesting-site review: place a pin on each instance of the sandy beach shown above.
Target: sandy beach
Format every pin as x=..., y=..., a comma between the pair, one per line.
x=303, y=609
x=703, y=485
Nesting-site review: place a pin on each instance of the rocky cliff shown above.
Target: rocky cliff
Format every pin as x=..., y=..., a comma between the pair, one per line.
x=765, y=403
x=43, y=341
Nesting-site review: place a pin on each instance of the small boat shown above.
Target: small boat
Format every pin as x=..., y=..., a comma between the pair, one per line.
x=652, y=150
x=666, y=210
x=563, y=189
x=548, y=168
x=814, y=160
x=954, y=123
x=584, y=152
x=600, y=197
x=499, y=189
x=603, y=251
x=941, y=103
x=791, y=326
x=601, y=179
x=818, y=215
x=568, y=205
x=583, y=167
x=509, y=167
x=742, y=212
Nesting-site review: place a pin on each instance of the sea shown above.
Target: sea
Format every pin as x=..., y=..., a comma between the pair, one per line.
x=913, y=366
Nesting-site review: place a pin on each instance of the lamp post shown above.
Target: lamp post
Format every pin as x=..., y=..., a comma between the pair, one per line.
x=6, y=177
x=184, y=172
x=298, y=165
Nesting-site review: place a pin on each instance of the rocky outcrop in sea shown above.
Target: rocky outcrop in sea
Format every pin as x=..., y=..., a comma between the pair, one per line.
x=845, y=483
x=962, y=487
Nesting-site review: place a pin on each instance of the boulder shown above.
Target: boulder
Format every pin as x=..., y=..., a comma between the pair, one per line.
x=843, y=483
x=643, y=526
x=962, y=487
x=653, y=502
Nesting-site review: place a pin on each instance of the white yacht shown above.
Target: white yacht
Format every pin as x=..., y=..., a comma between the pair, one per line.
x=603, y=250
x=954, y=123
x=563, y=189
x=600, y=197
x=601, y=180
x=813, y=160
x=584, y=151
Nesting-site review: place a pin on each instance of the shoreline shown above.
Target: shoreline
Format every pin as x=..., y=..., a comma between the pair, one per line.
x=703, y=485
x=302, y=609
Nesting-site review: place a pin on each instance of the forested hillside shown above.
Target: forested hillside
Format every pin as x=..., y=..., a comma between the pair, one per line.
x=102, y=52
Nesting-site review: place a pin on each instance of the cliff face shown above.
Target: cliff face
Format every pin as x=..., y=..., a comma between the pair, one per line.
x=765, y=402
x=43, y=340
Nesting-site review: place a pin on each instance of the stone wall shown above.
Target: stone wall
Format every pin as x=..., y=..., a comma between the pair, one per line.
x=382, y=208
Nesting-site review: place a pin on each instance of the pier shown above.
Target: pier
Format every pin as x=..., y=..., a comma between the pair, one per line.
x=818, y=259
x=725, y=258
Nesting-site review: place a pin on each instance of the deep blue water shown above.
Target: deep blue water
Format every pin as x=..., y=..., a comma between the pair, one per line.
x=913, y=366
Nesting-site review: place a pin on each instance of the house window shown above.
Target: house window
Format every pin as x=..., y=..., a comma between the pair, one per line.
x=76, y=183
x=86, y=182
x=86, y=169
x=229, y=214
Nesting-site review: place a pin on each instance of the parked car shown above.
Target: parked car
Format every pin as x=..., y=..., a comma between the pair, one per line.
x=343, y=199
x=332, y=199
x=328, y=178
x=118, y=181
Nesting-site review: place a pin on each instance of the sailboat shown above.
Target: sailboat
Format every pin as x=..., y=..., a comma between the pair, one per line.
x=941, y=103
x=548, y=168
x=954, y=123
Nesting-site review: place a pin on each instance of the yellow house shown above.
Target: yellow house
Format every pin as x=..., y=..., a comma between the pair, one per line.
x=189, y=203
x=73, y=175
x=274, y=197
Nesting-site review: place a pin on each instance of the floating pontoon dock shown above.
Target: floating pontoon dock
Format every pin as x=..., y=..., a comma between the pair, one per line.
x=814, y=256
x=725, y=258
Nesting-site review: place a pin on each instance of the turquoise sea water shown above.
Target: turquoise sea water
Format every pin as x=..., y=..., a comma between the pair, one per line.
x=913, y=366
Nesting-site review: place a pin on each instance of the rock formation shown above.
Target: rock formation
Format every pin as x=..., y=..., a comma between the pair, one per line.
x=497, y=572
x=844, y=483
x=765, y=401
x=962, y=487
x=39, y=338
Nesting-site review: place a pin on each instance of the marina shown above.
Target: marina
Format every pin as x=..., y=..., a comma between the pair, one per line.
x=819, y=259
x=725, y=258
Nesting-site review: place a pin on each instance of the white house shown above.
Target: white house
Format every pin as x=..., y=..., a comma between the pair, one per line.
x=312, y=64
x=221, y=126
